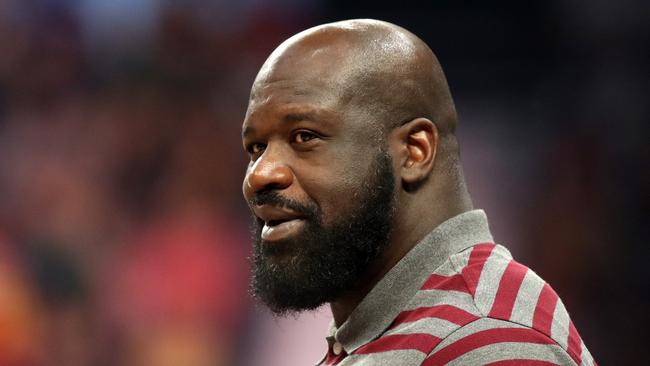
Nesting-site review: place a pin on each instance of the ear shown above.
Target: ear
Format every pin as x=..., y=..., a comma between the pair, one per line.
x=416, y=142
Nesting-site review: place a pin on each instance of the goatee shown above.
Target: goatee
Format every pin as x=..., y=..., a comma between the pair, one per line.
x=324, y=261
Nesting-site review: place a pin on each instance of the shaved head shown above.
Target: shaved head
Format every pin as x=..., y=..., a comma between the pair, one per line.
x=386, y=69
x=353, y=160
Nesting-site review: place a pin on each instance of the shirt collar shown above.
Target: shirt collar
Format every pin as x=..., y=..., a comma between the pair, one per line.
x=393, y=292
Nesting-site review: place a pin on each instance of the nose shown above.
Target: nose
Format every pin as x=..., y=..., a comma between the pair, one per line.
x=266, y=173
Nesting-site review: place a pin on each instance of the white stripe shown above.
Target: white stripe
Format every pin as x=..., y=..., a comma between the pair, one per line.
x=489, y=280
x=501, y=250
x=513, y=351
x=447, y=269
x=474, y=327
x=388, y=358
x=436, y=327
x=526, y=300
x=560, y=325
x=428, y=298
x=587, y=359
x=461, y=259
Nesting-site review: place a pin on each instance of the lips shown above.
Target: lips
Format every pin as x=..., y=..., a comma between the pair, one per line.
x=282, y=230
x=279, y=223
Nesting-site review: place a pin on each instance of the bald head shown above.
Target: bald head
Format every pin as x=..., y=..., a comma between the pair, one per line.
x=384, y=69
x=350, y=125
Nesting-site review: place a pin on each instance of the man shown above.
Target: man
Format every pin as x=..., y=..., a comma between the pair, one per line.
x=359, y=201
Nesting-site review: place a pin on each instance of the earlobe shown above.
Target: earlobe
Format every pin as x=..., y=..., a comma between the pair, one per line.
x=420, y=138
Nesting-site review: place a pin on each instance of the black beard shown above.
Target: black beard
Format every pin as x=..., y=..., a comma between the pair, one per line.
x=323, y=262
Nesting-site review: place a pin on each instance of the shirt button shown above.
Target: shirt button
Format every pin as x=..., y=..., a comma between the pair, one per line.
x=337, y=348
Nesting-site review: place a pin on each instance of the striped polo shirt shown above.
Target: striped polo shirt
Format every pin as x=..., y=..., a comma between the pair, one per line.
x=458, y=299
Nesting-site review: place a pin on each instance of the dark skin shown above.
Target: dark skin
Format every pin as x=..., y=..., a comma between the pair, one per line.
x=323, y=104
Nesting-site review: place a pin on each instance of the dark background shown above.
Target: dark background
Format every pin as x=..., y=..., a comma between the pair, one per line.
x=123, y=235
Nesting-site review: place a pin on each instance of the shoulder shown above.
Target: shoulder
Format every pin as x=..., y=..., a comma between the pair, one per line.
x=517, y=313
x=482, y=303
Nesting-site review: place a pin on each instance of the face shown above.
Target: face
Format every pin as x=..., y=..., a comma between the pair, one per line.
x=321, y=189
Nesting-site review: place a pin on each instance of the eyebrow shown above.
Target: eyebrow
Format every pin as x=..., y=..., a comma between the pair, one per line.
x=292, y=117
x=302, y=116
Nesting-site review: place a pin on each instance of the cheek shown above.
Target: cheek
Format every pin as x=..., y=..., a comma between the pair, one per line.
x=336, y=189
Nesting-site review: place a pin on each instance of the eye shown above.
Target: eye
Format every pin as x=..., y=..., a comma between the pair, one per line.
x=302, y=137
x=256, y=149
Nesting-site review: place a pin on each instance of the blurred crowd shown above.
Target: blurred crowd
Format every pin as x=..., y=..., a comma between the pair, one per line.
x=122, y=237
x=123, y=234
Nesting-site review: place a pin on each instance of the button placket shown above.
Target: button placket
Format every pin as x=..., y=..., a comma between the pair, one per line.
x=337, y=348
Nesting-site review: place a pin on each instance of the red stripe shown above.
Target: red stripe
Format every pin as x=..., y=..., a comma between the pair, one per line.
x=574, y=344
x=543, y=317
x=447, y=283
x=446, y=312
x=522, y=362
x=508, y=289
x=484, y=338
x=415, y=341
x=472, y=272
x=334, y=360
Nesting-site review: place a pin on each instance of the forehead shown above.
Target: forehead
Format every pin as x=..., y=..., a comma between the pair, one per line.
x=311, y=67
x=291, y=98
x=303, y=77
x=281, y=94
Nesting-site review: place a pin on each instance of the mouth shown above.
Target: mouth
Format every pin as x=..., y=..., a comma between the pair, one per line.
x=275, y=230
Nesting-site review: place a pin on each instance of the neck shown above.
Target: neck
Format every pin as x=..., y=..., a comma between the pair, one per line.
x=345, y=304
x=409, y=228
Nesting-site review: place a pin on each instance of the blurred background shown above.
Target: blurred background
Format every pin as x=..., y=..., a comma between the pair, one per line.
x=123, y=234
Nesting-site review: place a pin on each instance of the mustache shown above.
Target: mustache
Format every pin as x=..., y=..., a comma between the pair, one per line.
x=273, y=198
